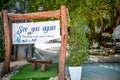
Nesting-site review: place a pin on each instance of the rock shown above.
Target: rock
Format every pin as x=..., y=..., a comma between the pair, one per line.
x=13, y=70
x=56, y=78
x=67, y=77
x=52, y=78
x=5, y=79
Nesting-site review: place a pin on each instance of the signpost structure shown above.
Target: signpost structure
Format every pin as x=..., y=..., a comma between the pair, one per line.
x=57, y=14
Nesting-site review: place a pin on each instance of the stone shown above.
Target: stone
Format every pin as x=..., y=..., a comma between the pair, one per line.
x=52, y=78
x=56, y=78
x=13, y=70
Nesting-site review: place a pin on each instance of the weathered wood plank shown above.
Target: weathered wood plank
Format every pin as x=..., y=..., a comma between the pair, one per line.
x=43, y=63
x=36, y=15
x=8, y=42
x=39, y=61
x=63, y=48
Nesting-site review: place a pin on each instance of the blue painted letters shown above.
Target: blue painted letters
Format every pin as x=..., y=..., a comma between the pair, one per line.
x=22, y=29
x=33, y=29
x=48, y=28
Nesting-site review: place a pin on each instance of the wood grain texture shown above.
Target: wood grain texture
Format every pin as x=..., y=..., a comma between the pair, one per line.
x=8, y=42
x=62, y=57
x=36, y=15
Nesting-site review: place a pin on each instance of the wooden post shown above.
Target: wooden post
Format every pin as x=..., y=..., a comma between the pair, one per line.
x=8, y=42
x=43, y=67
x=59, y=14
x=34, y=66
x=62, y=57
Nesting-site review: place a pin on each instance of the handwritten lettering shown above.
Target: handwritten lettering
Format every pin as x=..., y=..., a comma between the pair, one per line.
x=27, y=40
x=34, y=33
x=33, y=29
x=48, y=28
x=21, y=29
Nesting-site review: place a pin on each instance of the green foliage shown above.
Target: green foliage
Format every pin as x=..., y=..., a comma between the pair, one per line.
x=32, y=5
x=78, y=43
x=2, y=47
x=91, y=10
x=6, y=4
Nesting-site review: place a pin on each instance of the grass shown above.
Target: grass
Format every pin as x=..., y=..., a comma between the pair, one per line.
x=26, y=73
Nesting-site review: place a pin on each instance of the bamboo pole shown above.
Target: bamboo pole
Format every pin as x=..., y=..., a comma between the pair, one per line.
x=8, y=42
x=36, y=15
x=62, y=57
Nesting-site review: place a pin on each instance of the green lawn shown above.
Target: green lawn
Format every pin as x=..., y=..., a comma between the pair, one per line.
x=26, y=73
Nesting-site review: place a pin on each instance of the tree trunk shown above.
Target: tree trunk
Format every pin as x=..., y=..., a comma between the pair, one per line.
x=117, y=21
x=92, y=27
x=101, y=23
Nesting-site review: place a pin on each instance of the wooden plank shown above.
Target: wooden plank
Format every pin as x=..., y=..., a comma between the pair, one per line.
x=43, y=67
x=34, y=66
x=36, y=15
x=8, y=42
x=39, y=61
x=43, y=63
x=63, y=48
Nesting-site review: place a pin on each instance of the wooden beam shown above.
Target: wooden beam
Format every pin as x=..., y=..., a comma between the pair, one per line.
x=8, y=42
x=59, y=14
x=62, y=56
x=36, y=15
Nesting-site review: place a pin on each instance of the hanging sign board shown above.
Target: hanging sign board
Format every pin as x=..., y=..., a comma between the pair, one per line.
x=35, y=32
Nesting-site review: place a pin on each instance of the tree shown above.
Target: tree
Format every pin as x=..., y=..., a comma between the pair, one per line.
x=6, y=4
x=103, y=14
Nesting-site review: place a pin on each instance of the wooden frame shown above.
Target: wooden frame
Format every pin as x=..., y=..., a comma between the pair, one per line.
x=58, y=14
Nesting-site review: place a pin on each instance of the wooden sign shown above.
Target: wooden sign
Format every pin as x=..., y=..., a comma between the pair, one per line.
x=57, y=14
x=35, y=32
